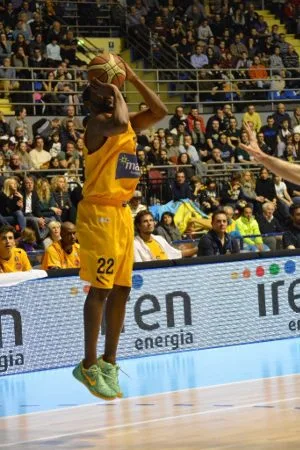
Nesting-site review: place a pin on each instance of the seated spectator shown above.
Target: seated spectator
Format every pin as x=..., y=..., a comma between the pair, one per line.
x=204, y=31
x=227, y=152
x=5, y=47
x=268, y=224
x=208, y=197
x=180, y=188
x=55, y=145
x=276, y=62
x=8, y=81
x=18, y=137
x=62, y=199
x=53, y=53
x=248, y=226
x=241, y=155
x=39, y=157
x=154, y=152
x=252, y=116
x=215, y=162
x=32, y=210
x=248, y=184
x=199, y=58
x=71, y=117
x=11, y=203
x=259, y=74
x=167, y=229
x=280, y=115
x=69, y=134
x=12, y=259
x=69, y=156
x=233, y=133
x=68, y=47
x=20, y=121
x=289, y=154
x=64, y=253
x=194, y=117
x=135, y=203
x=284, y=132
x=213, y=135
x=185, y=160
x=270, y=131
x=198, y=138
x=282, y=194
x=21, y=150
x=46, y=198
x=217, y=241
x=180, y=133
x=238, y=48
x=231, y=222
x=149, y=247
x=54, y=228
x=262, y=144
x=291, y=62
x=15, y=163
x=291, y=237
x=171, y=148
x=27, y=240
x=188, y=148
x=295, y=120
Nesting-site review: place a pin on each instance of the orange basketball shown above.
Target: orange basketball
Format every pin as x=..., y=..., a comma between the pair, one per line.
x=107, y=68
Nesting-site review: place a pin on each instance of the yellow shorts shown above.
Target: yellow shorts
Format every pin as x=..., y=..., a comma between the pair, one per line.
x=105, y=234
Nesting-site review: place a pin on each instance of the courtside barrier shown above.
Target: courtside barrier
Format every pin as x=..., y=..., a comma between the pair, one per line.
x=174, y=305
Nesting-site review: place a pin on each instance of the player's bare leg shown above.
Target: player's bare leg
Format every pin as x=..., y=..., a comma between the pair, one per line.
x=114, y=315
x=88, y=371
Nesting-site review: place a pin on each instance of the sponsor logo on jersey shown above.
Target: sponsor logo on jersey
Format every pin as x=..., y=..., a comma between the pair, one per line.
x=127, y=166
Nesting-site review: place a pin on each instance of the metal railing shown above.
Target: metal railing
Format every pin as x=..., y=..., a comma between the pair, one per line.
x=167, y=82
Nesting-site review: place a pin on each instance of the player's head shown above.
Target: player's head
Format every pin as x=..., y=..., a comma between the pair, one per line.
x=96, y=103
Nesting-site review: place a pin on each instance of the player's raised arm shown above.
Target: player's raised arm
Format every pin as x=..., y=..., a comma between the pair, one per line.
x=287, y=170
x=156, y=111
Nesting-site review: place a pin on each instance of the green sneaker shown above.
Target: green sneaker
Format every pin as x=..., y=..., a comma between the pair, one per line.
x=93, y=379
x=110, y=373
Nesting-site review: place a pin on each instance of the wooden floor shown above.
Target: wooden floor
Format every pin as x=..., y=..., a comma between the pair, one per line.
x=254, y=415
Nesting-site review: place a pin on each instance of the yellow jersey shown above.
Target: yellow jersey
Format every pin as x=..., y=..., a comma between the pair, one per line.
x=112, y=172
x=55, y=256
x=156, y=250
x=18, y=262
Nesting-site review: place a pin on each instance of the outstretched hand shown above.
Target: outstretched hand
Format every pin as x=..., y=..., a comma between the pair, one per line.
x=253, y=148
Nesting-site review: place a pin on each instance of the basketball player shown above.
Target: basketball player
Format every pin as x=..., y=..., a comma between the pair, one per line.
x=287, y=170
x=104, y=223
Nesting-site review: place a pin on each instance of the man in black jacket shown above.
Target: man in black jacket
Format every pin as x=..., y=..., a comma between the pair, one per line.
x=217, y=241
x=291, y=237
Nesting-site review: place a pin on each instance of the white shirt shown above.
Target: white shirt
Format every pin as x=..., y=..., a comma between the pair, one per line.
x=38, y=158
x=142, y=251
x=280, y=188
x=28, y=205
x=53, y=52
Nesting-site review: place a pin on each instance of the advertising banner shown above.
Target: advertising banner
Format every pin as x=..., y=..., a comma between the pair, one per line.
x=170, y=309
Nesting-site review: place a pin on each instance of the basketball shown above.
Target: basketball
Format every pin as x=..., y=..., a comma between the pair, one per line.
x=107, y=68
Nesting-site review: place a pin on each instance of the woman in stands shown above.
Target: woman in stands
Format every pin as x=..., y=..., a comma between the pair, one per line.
x=54, y=233
x=46, y=198
x=184, y=160
x=167, y=228
x=11, y=203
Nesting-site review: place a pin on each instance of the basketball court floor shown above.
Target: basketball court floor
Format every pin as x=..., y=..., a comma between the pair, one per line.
x=239, y=397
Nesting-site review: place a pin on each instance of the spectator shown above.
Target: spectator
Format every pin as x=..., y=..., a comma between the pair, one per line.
x=64, y=253
x=295, y=120
x=194, y=117
x=259, y=74
x=62, y=199
x=262, y=144
x=54, y=228
x=53, y=53
x=204, y=31
x=39, y=157
x=15, y=163
x=227, y=152
x=276, y=63
x=216, y=162
x=12, y=259
x=21, y=150
x=4, y=127
x=167, y=228
x=11, y=203
x=291, y=62
x=221, y=117
x=135, y=203
x=32, y=210
x=20, y=121
x=282, y=194
x=154, y=152
x=284, y=132
x=69, y=134
x=68, y=47
x=208, y=197
x=213, y=135
x=69, y=156
x=188, y=148
x=71, y=117
x=171, y=148
x=265, y=187
x=27, y=240
x=281, y=115
x=180, y=188
x=252, y=116
x=238, y=48
x=217, y=241
x=199, y=58
x=233, y=133
x=270, y=132
x=185, y=162
x=5, y=47
x=47, y=202
x=148, y=247
x=177, y=118
x=241, y=155
x=291, y=237
x=268, y=224
x=248, y=226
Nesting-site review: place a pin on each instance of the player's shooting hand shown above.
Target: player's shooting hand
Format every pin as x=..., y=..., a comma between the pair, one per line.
x=130, y=74
x=103, y=89
x=252, y=148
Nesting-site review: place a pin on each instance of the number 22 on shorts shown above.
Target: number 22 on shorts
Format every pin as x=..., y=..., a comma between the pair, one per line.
x=104, y=267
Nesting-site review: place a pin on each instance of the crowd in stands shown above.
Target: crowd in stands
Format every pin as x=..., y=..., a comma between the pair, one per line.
x=237, y=55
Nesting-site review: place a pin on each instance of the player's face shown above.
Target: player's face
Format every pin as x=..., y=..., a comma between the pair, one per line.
x=147, y=225
x=99, y=104
x=7, y=241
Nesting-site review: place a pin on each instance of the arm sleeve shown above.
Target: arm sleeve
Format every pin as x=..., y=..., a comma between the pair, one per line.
x=25, y=263
x=287, y=239
x=171, y=252
x=204, y=247
x=256, y=230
